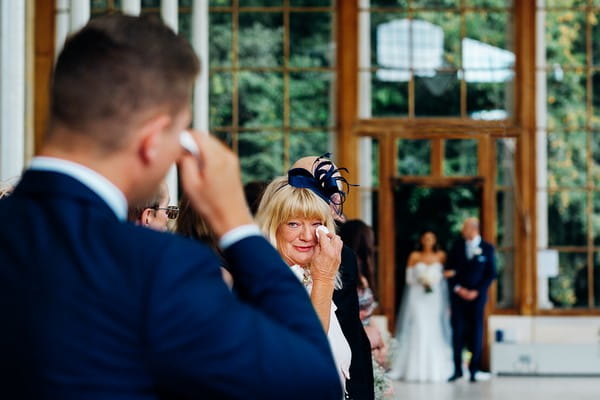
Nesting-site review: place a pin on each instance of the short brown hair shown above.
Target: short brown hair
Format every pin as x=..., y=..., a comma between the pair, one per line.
x=116, y=67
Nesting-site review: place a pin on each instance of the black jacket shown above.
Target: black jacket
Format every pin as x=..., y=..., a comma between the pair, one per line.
x=360, y=386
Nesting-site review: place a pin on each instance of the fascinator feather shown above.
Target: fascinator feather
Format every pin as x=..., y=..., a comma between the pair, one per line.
x=326, y=181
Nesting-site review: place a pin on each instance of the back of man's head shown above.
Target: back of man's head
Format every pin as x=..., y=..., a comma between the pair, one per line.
x=115, y=71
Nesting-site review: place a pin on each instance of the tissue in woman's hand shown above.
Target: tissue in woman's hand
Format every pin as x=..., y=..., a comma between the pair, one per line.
x=322, y=228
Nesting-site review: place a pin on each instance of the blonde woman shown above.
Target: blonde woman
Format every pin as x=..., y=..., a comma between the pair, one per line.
x=292, y=218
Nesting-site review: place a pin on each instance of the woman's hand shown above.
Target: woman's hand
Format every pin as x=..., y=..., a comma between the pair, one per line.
x=328, y=257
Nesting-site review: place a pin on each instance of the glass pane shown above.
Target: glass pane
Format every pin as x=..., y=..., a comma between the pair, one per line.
x=389, y=3
x=185, y=3
x=185, y=25
x=260, y=3
x=596, y=219
x=569, y=288
x=390, y=40
x=436, y=40
x=489, y=3
x=260, y=99
x=98, y=4
x=310, y=3
x=567, y=218
x=491, y=28
x=436, y=3
x=505, y=293
x=593, y=20
x=565, y=3
x=505, y=222
x=389, y=93
x=311, y=40
x=225, y=137
x=414, y=157
x=375, y=163
x=597, y=279
x=460, y=157
x=566, y=99
x=220, y=99
x=220, y=42
x=219, y=2
x=260, y=39
x=567, y=159
x=102, y=7
x=310, y=95
x=303, y=144
x=505, y=161
x=437, y=93
x=596, y=97
x=565, y=37
x=595, y=159
x=150, y=4
x=261, y=155
x=489, y=94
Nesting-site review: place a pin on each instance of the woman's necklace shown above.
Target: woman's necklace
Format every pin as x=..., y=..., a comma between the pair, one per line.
x=306, y=277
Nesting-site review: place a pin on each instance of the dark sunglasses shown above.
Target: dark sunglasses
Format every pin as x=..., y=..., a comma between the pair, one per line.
x=172, y=211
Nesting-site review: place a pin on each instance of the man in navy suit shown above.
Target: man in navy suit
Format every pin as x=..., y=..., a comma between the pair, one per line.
x=94, y=307
x=474, y=266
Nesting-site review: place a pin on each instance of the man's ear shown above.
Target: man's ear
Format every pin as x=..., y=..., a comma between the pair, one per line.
x=151, y=138
x=146, y=217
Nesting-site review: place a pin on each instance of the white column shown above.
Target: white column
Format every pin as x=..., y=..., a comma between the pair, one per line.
x=200, y=23
x=169, y=12
x=80, y=14
x=12, y=88
x=132, y=7
x=365, y=149
x=541, y=138
x=62, y=17
x=541, y=111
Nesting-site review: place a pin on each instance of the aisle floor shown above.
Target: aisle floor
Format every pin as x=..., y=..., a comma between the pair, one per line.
x=503, y=388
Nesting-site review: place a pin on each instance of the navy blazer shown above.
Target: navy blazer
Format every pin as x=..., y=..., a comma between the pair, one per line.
x=476, y=273
x=96, y=308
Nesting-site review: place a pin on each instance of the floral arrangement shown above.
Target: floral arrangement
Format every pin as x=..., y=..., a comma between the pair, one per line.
x=384, y=389
x=429, y=277
x=383, y=384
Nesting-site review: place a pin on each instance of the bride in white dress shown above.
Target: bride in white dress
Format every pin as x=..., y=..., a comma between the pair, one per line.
x=423, y=329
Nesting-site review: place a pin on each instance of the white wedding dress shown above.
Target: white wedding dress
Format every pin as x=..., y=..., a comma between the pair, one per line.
x=423, y=334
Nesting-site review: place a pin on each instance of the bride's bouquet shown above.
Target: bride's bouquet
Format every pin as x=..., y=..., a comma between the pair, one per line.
x=429, y=277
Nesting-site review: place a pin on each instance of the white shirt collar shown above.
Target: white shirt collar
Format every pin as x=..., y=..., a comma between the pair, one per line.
x=104, y=188
x=474, y=242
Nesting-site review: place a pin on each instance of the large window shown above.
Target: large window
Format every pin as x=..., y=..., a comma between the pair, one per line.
x=569, y=158
x=439, y=76
x=439, y=58
x=272, y=73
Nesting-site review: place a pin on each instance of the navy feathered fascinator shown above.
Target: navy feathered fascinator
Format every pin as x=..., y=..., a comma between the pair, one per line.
x=326, y=181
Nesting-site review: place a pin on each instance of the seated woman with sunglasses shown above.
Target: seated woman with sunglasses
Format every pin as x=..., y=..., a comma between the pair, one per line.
x=293, y=214
x=155, y=212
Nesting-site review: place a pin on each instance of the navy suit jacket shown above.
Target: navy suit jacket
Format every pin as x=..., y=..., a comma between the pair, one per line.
x=95, y=308
x=476, y=273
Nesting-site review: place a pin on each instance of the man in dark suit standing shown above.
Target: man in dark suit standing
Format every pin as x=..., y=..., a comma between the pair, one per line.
x=473, y=264
x=97, y=308
x=360, y=386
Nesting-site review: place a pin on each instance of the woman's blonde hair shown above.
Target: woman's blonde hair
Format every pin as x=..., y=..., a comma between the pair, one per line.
x=281, y=202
